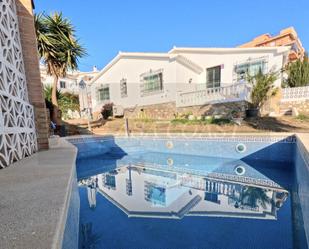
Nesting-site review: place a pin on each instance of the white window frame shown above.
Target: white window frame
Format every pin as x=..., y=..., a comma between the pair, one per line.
x=250, y=62
x=101, y=88
x=214, y=83
x=145, y=90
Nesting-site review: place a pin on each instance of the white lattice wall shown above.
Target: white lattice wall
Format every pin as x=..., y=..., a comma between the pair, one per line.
x=295, y=94
x=17, y=128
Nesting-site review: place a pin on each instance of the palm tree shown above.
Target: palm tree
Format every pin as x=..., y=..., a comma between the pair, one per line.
x=58, y=48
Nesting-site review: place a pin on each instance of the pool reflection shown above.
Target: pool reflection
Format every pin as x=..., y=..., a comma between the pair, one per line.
x=141, y=191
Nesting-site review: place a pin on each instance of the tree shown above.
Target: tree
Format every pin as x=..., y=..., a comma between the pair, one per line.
x=67, y=101
x=262, y=89
x=298, y=73
x=58, y=48
x=253, y=196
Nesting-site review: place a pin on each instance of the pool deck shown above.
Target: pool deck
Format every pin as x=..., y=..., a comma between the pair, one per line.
x=34, y=198
x=35, y=193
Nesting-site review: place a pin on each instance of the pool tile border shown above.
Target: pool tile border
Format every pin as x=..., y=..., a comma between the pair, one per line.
x=288, y=138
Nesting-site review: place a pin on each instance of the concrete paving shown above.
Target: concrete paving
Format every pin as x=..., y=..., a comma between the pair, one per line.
x=34, y=196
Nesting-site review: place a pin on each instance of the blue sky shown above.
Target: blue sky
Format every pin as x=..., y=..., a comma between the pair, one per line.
x=105, y=27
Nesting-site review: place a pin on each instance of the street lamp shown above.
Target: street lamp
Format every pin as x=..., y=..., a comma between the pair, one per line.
x=83, y=86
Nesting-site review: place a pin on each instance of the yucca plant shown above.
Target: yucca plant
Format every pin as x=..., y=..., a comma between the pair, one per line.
x=58, y=48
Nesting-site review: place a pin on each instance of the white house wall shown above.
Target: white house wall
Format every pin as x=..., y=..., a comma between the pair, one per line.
x=131, y=69
x=228, y=60
x=176, y=75
x=186, y=79
x=71, y=84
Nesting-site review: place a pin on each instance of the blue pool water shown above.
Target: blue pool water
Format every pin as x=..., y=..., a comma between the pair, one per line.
x=180, y=193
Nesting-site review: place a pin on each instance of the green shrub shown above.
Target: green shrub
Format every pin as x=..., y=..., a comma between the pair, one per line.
x=66, y=101
x=262, y=88
x=107, y=110
x=298, y=73
x=303, y=117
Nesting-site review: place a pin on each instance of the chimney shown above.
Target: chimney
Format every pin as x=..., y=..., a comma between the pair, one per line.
x=94, y=69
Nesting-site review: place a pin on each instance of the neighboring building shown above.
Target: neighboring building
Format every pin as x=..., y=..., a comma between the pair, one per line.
x=182, y=77
x=71, y=84
x=286, y=37
x=23, y=116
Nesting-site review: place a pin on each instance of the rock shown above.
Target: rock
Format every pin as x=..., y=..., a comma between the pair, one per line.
x=191, y=117
x=295, y=112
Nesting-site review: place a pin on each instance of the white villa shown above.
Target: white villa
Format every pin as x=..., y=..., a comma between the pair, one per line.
x=183, y=76
x=71, y=84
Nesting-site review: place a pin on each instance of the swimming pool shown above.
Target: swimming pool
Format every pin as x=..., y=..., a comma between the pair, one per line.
x=189, y=192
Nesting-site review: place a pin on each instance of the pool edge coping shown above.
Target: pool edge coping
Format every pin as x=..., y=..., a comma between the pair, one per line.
x=59, y=160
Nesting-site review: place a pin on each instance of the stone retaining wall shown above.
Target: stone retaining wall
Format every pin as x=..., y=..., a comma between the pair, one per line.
x=222, y=109
x=302, y=106
x=170, y=111
x=158, y=111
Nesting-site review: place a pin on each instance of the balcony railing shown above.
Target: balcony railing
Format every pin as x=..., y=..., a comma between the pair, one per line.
x=295, y=93
x=231, y=93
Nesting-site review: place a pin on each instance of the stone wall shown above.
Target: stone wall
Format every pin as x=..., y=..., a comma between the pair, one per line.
x=169, y=110
x=159, y=111
x=302, y=106
x=32, y=71
x=222, y=109
x=272, y=105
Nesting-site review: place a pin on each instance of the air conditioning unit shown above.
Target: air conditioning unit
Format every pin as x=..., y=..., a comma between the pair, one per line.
x=118, y=111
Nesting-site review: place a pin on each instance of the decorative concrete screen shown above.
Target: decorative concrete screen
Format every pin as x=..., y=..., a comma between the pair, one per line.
x=17, y=128
x=291, y=94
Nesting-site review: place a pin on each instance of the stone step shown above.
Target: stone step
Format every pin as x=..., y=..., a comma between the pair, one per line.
x=286, y=112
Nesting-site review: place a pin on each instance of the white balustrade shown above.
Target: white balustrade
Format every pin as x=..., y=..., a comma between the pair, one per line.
x=295, y=93
x=230, y=93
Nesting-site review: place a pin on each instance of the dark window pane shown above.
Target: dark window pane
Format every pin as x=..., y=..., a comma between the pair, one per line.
x=213, y=77
x=104, y=94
